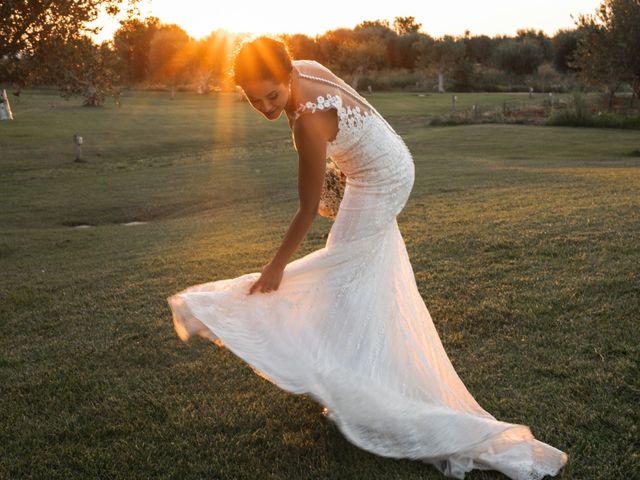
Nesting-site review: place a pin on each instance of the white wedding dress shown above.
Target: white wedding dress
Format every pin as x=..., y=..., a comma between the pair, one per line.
x=347, y=325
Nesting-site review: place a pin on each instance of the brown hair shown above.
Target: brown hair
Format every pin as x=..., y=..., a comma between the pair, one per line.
x=262, y=59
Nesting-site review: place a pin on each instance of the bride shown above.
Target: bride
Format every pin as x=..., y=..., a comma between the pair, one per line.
x=346, y=323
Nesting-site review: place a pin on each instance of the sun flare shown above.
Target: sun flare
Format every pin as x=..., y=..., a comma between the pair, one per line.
x=492, y=17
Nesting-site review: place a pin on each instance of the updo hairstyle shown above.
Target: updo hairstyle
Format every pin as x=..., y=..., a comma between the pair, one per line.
x=262, y=59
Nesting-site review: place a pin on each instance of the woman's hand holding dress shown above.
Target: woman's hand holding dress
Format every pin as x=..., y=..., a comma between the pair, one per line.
x=269, y=279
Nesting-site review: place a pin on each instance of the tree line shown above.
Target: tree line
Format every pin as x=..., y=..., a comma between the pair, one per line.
x=47, y=43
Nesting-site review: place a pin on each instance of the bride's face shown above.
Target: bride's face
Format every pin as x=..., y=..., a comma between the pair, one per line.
x=267, y=97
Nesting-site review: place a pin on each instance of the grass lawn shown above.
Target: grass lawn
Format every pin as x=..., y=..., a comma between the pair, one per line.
x=525, y=243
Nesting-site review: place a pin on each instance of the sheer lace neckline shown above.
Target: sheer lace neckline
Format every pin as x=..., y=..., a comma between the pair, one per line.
x=308, y=104
x=351, y=117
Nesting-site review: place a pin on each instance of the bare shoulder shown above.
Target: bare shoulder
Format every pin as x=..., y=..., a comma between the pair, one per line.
x=321, y=125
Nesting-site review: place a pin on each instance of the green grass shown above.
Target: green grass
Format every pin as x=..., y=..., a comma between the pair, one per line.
x=524, y=243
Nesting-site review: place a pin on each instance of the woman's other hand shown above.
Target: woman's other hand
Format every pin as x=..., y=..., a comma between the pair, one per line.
x=269, y=279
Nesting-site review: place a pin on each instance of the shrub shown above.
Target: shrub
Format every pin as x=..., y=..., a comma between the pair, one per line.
x=389, y=80
x=519, y=57
x=571, y=118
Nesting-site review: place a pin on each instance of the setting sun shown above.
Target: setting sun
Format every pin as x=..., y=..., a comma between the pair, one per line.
x=492, y=17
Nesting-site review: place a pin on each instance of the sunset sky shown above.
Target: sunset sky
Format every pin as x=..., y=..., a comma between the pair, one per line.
x=491, y=17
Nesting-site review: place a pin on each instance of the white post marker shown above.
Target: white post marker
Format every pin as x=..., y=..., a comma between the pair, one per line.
x=77, y=141
x=5, y=108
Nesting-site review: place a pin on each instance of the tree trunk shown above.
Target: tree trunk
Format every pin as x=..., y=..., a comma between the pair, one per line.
x=91, y=96
x=5, y=108
x=612, y=89
x=440, y=82
x=611, y=97
x=636, y=90
x=356, y=77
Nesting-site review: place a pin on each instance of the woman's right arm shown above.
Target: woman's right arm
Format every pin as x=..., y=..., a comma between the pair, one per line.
x=311, y=136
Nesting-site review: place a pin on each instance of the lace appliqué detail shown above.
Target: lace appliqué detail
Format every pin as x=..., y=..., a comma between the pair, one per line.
x=350, y=120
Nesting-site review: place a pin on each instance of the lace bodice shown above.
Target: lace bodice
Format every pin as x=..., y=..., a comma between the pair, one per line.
x=366, y=148
x=349, y=118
